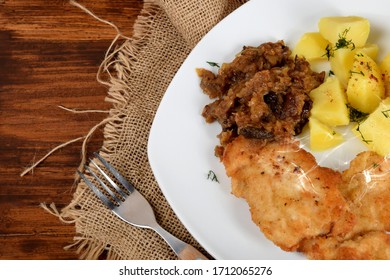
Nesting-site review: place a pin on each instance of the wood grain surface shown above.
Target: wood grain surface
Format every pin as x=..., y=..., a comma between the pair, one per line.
x=50, y=52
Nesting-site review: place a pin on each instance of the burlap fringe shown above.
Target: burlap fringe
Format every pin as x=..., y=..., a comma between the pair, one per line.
x=118, y=60
x=104, y=66
x=88, y=248
x=79, y=111
x=42, y=159
x=83, y=149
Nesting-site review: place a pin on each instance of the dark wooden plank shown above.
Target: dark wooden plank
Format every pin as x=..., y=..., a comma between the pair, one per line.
x=50, y=52
x=34, y=246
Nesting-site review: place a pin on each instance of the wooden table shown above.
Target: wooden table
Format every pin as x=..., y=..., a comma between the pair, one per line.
x=50, y=52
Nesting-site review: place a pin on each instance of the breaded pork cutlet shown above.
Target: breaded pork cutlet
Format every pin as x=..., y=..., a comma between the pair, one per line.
x=374, y=245
x=366, y=188
x=290, y=197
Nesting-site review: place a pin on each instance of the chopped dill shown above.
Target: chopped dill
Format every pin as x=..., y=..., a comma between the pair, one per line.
x=386, y=113
x=355, y=115
x=356, y=72
x=329, y=52
x=212, y=64
x=211, y=176
x=358, y=117
x=331, y=73
x=341, y=43
x=361, y=135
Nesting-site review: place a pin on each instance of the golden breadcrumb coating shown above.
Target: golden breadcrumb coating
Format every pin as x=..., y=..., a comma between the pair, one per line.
x=366, y=186
x=291, y=198
x=374, y=245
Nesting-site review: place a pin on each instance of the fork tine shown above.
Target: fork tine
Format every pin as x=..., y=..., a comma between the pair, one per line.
x=98, y=193
x=103, y=185
x=112, y=183
x=116, y=173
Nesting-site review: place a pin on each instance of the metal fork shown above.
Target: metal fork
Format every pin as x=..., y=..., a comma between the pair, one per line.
x=133, y=208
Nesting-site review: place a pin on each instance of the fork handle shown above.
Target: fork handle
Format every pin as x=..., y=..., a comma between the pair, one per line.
x=184, y=251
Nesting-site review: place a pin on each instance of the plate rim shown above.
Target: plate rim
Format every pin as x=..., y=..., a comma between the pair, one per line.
x=150, y=147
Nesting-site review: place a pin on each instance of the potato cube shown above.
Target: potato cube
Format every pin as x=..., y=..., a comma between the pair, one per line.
x=342, y=60
x=385, y=68
x=365, y=88
x=311, y=46
x=375, y=130
x=352, y=28
x=330, y=103
x=322, y=137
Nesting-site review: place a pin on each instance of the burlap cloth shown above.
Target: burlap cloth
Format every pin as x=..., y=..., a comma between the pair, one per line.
x=141, y=69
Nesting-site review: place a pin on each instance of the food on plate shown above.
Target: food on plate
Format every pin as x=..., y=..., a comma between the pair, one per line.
x=291, y=198
x=341, y=61
x=264, y=98
x=301, y=206
x=330, y=103
x=374, y=130
x=366, y=188
x=311, y=46
x=365, y=87
x=363, y=83
x=262, y=93
x=356, y=29
x=322, y=137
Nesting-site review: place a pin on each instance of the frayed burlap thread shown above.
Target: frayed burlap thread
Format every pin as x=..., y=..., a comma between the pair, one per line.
x=140, y=70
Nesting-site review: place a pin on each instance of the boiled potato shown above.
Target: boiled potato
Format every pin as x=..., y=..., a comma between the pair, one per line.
x=365, y=87
x=375, y=130
x=342, y=60
x=353, y=28
x=370, y=49
x=322, y=137
x=385, y=68
x=330, y=103
x=311, y=46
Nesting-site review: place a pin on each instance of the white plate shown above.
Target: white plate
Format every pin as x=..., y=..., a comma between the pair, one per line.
x=181, y=145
